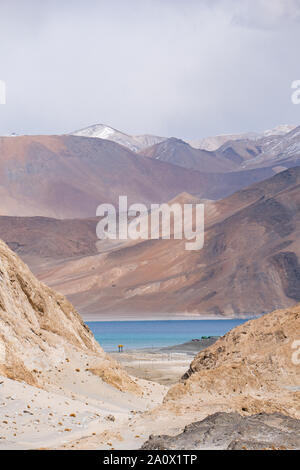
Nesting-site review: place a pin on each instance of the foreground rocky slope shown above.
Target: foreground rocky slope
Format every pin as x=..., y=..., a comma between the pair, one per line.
x=252, y=369
x=242, y=392
x=57, y=386
x=232, y=431
x=40, y=331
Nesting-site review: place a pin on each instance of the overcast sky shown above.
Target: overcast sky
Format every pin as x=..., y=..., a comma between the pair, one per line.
x=185, y=68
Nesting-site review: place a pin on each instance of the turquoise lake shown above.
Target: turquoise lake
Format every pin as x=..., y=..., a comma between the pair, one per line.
x=158, y=333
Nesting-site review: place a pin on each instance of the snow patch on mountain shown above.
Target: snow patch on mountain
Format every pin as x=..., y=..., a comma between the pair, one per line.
x=215, y=142
x=134, y=143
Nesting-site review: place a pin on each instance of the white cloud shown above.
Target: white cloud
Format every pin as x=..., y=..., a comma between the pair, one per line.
x=170, y=67
x=266, y=13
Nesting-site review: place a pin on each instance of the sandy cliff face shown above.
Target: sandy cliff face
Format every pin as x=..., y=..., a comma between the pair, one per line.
x=40, y=330
x=252, y=369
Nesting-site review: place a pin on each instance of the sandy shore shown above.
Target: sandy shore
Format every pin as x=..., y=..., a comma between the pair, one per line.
x=166, y=365
x=163, y=368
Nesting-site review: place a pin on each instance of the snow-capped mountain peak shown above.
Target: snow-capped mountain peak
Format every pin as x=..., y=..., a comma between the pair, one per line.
x=134, y=143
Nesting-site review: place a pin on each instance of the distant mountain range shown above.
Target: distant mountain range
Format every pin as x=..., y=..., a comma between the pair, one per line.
x=277, y=149
x=69, y=176
x=137, y=143
x=275, y=152
x=50, y=187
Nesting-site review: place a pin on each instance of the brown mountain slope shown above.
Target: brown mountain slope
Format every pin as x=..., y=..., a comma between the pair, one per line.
x=40, y=330
x=46, y=238
x=249, y=263
x=239, y=151
x=254, y=368
x=278, y=152
x=243, y=392
x=69, y=176
x=180, y=153
x=282, y=151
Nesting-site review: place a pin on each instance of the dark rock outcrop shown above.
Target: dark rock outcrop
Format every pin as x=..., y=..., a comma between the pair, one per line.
x=232, y=431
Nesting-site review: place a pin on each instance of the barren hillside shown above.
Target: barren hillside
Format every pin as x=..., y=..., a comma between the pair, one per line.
x=40, y=330
x=69, y=176
x=249, y=264
x=254, y=368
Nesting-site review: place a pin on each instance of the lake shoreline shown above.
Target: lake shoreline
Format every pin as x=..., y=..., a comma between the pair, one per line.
x=143, y=335
x=134, y=318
